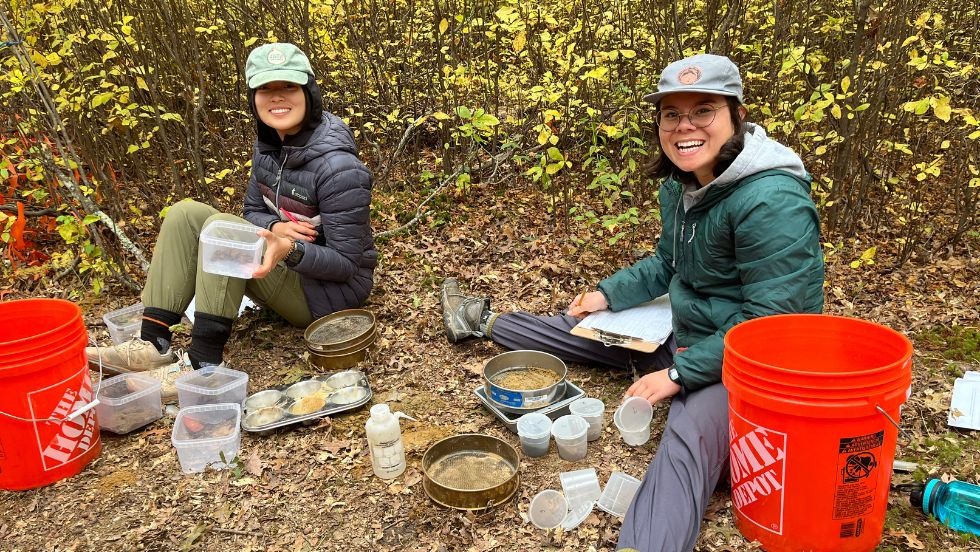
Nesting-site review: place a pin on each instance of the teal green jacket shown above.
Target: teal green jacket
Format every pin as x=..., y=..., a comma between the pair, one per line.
x=746, y=249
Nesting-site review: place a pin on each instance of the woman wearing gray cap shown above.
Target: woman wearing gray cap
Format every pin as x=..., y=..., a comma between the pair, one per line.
x=740, y=240
x=310, y=196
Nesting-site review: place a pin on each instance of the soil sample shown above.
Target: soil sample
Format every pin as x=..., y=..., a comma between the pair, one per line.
x=525, y=378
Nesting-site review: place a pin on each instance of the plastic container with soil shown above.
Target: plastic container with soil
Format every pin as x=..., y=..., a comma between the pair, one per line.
x=207, y=436
x=128, y=402
x=211, y=385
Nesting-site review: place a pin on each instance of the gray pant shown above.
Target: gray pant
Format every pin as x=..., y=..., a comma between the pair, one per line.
x=550, y=334
x=692, y=456
x=176, y=274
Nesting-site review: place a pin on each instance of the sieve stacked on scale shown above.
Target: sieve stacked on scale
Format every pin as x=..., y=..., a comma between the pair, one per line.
x=532, y=393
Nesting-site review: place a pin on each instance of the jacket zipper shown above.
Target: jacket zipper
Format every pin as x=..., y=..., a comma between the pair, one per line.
x=278, y=178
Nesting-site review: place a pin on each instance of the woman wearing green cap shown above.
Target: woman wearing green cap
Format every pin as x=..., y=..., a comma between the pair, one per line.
x=740, y=240
x=310, y=196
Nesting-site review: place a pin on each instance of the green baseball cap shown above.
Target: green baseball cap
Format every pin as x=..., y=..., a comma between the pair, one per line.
x=279, y=61
x=706, y=73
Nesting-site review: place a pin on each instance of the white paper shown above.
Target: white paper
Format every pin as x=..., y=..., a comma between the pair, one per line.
x=246, y=303
x=650, y=321
x=964, y=407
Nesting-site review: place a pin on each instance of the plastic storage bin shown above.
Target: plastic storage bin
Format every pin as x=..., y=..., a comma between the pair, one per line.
x=211, y=385
x=128, y=402
x=124, y=323
x=207, y=435
x=231, y=249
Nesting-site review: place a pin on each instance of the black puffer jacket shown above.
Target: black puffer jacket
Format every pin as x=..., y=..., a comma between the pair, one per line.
x=321, y=181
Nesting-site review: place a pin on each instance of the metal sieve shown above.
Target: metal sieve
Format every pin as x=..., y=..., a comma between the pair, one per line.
x=470, y=471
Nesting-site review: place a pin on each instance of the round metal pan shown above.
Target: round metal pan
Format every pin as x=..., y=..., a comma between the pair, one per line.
x=470, y=472
x=340, y=331
x=528, y=400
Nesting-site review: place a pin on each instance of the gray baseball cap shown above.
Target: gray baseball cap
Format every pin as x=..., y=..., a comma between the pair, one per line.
x=279, y=61
x=706, y=73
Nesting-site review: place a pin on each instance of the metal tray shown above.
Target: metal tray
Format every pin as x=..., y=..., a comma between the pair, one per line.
x=553, y=410
x=357, y=378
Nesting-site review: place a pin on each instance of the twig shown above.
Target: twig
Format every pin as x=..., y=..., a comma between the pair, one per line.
x=418, y=210
x=238, y=532
x=29, y=212
x=71, y=268
x=401, y=145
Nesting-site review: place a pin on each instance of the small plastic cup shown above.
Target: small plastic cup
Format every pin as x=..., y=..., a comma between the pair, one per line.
x=534, y=429
x=577, y=515
x=592, y=411
x=618, y=493
x=632, y=419
x=580, y=487
x=548, y=509
x=570, y=433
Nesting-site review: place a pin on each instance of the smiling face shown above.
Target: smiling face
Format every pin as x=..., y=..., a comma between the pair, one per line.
x=282, y=106
x=690, y=148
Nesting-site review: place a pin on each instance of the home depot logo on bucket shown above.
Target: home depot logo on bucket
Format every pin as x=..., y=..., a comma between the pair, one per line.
x=758, y=470
x=60, y=443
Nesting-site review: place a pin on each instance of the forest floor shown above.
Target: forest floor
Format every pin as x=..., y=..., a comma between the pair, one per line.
x=312, y=488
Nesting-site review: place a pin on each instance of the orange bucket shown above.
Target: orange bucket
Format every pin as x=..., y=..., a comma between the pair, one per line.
x=48, y=430
x=811, y=442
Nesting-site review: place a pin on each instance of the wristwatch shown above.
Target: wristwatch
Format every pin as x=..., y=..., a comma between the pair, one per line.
x=674, y=376
x=295, y=254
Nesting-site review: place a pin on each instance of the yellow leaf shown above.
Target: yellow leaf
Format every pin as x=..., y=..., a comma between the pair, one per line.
x=439, y=115
x=835, y=111
x=940, y=106
x=845, y=84
x=519, y=42
x=443, y=26
x=821, y=150
x=628, y=54
x=141, y=84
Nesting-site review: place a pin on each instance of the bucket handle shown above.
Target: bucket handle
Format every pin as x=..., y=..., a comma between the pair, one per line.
x=71, y=415
x=893, y=422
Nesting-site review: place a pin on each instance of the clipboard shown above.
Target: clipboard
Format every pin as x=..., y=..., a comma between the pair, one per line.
x=642, y=328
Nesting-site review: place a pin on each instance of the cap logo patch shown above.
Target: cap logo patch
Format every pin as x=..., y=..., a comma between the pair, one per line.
x=689, y=75
x=276, y=57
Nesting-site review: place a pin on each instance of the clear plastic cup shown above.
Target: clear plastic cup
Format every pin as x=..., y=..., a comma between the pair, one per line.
x=632, y=419
x=580, y=487
x=548, y=509
x=577, y=515
x=618, y=493
x=592, y=411
x=570, y=433
x=534, y=430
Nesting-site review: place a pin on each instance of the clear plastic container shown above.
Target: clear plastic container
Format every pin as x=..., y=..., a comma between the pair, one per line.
x=548, y=509
x=211, y=385
x=618, y=494
x=127, y=402
x=570, y=433
x=580, y=486
x=632, y=419
x=534, y=430
x=124, y=323
x=207, y=436
x=591, y=410
x=231, y=249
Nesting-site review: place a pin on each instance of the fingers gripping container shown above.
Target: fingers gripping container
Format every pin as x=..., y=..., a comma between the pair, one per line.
x=231, y=249
x=211, y=385
x=128, y=401
x=207, y=436
x=124, y=323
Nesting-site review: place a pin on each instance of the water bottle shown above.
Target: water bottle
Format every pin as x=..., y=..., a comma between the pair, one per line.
x=957, y=504
x=385, y=441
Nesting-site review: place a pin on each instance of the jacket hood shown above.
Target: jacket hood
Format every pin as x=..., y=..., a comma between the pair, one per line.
x=314, y=115
x=760, y=153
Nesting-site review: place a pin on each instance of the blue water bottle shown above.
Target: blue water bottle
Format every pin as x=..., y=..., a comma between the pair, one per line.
x=957, y=504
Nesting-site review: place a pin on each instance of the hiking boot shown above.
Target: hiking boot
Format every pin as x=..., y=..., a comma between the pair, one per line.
x=461, y=314
x=134, y=355
x=168, y=374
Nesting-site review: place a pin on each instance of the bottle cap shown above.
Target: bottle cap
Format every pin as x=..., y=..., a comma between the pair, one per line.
x=380, y=410
x=915, y=496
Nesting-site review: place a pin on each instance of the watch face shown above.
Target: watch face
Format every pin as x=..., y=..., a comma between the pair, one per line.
x=673, y=375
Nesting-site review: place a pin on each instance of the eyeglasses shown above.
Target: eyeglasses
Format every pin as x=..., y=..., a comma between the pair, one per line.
x=700, y=117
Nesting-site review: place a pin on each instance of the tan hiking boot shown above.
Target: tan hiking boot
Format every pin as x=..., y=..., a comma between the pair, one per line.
x=168, y=374
x=134, y=355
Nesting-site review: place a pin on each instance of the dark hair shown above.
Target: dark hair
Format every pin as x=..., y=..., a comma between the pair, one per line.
x=662, y=167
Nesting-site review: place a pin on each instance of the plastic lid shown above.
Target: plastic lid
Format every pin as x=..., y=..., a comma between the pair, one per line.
x=576, y=516
x=534, y=424
x=380, y=410
x=587, y=406
x=211, y=380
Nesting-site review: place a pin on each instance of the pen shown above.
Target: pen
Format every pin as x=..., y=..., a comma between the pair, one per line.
x=289, y=215
x=581, y=297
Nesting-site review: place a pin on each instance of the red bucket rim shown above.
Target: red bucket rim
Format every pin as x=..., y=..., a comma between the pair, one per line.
x=34, y=304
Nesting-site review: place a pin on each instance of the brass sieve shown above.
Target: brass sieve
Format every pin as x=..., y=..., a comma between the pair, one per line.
x=470, y=471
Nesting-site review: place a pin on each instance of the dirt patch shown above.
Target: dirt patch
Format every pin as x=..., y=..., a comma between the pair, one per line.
x=418, y=439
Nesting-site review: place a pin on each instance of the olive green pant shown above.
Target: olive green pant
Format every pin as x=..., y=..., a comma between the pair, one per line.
x=176, y=274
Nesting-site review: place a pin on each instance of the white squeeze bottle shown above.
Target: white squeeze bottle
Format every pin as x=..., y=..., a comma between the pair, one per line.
x=385, y=441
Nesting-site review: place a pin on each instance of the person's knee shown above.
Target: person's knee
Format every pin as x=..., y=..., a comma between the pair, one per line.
x=186, y=211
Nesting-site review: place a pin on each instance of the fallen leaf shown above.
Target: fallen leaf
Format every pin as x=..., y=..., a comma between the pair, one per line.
x=254, y=465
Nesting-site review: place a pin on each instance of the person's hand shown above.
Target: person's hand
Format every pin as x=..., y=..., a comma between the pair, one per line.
x=584, y=303
x=654, y=387
x=276, y=249
x=298, y=230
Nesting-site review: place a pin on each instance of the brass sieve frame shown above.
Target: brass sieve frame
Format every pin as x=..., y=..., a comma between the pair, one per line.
x=470, y=499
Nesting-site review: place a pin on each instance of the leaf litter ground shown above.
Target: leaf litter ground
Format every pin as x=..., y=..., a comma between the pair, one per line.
x=311, y=488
